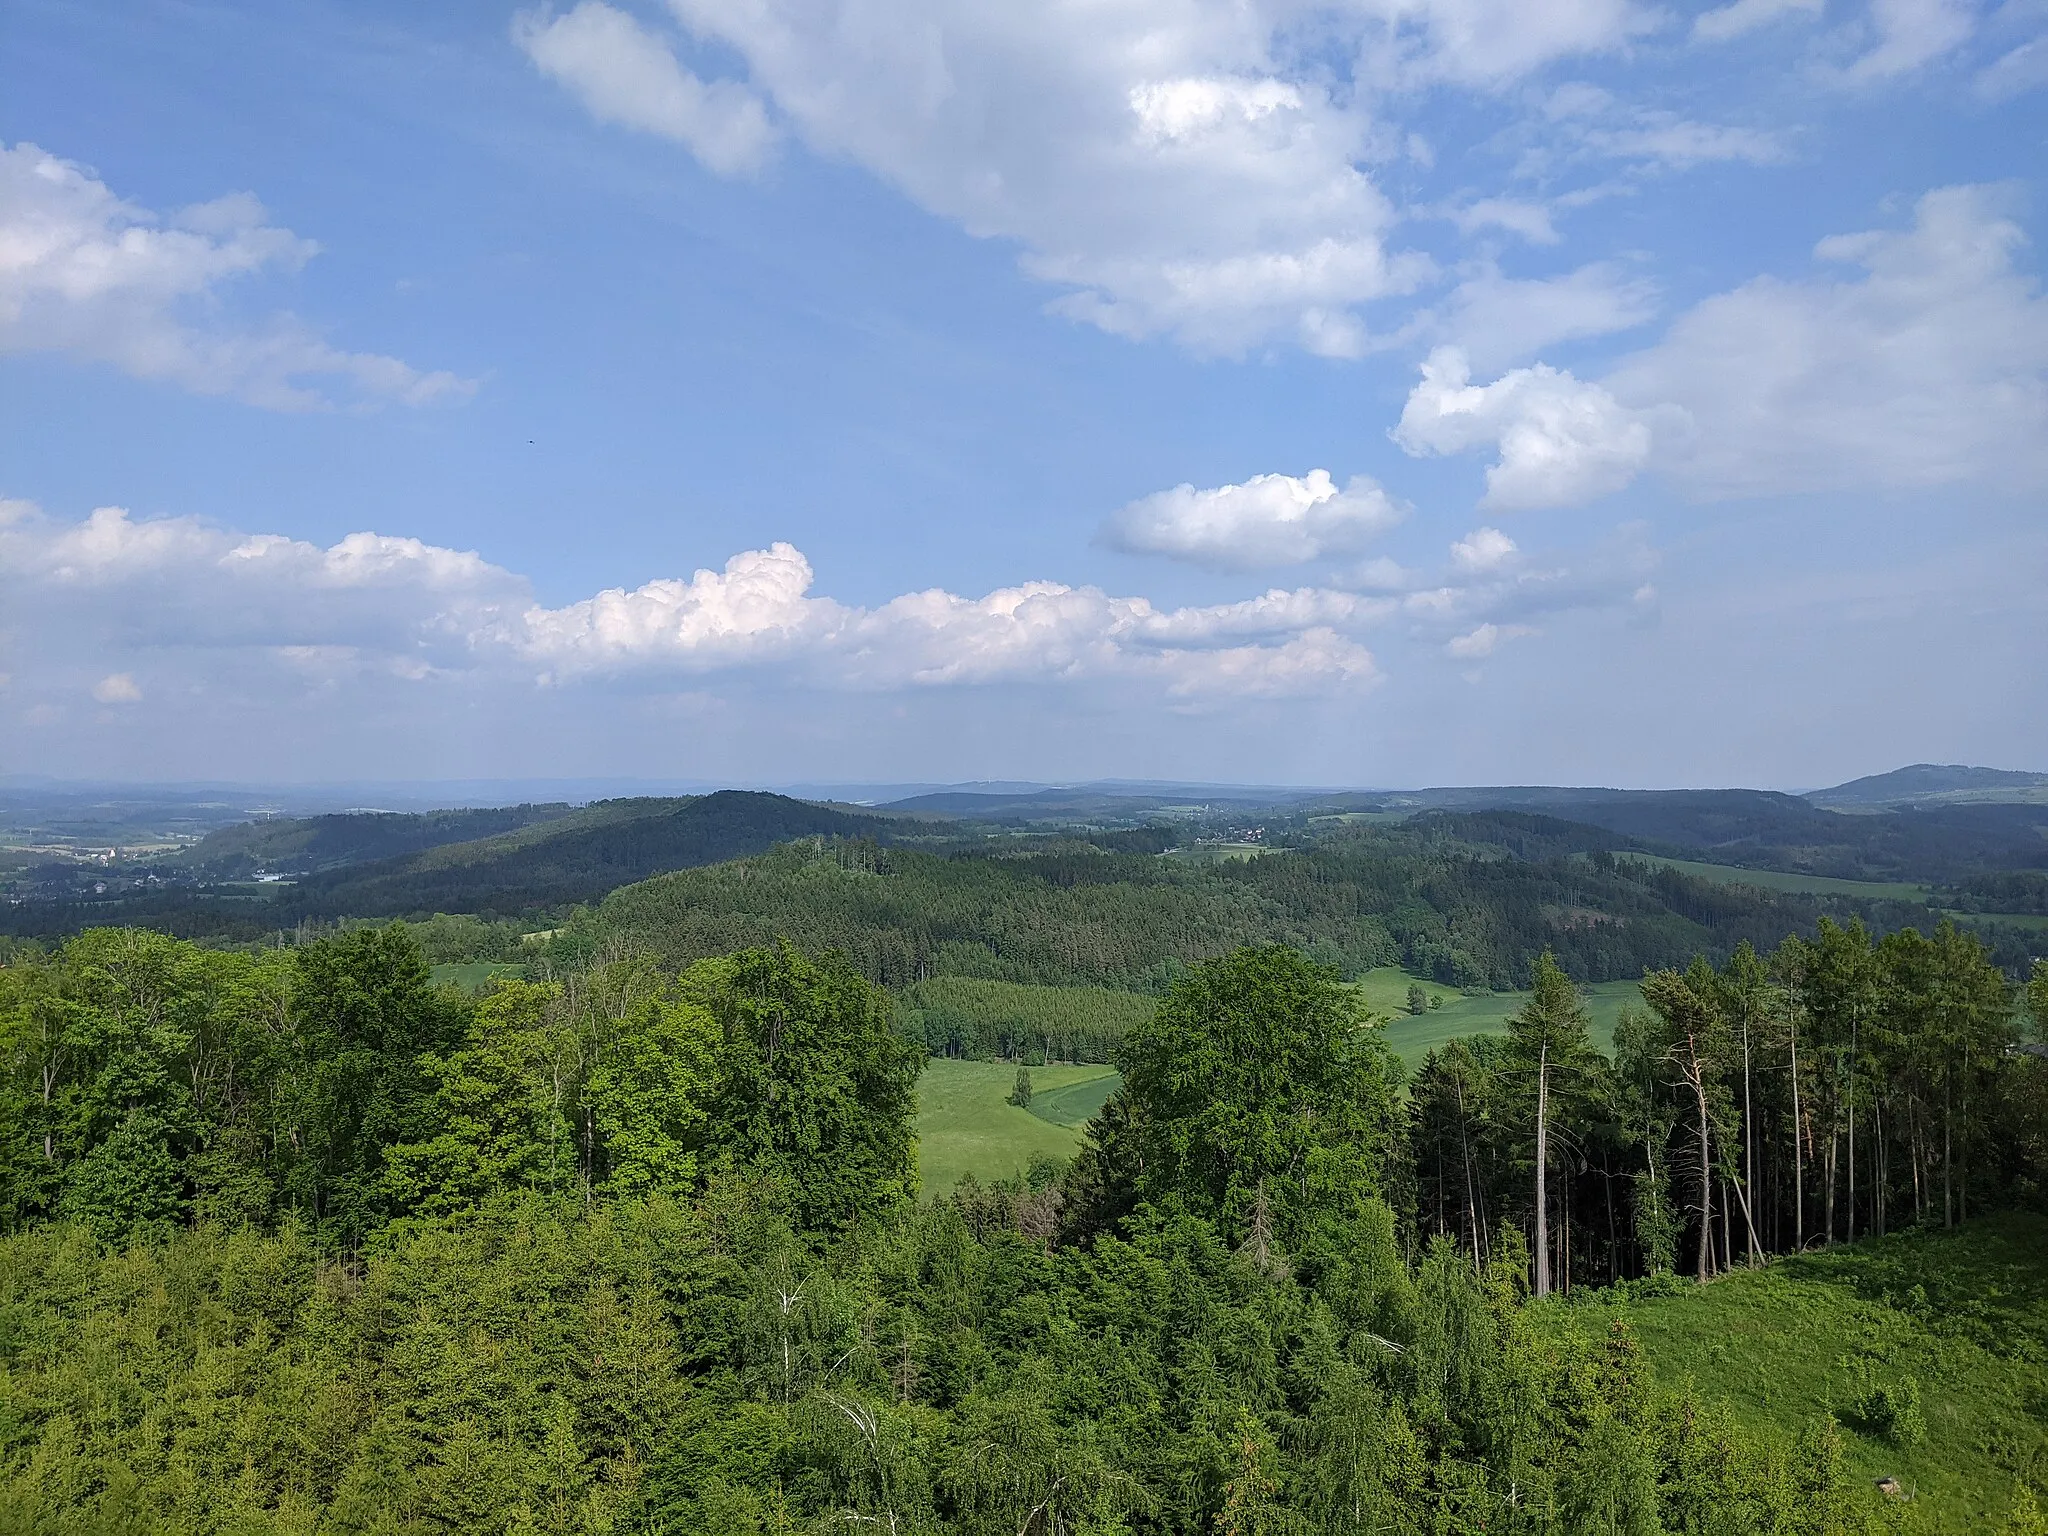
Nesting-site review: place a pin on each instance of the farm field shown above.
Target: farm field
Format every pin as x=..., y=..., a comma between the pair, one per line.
x=1784, y=880
x=965, y=1126
x=1962, y=1316
x=1414, y=1036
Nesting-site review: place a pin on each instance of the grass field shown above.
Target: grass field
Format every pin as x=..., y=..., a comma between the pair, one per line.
x=964, y=1124
x=1414, y=1036
x=471, y=975
x=1962, y=1315
x=1781, y=880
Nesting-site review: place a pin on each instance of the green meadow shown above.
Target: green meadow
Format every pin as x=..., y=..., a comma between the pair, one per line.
x=1955, y=1320
x=1414, y=1036
x=965, y=1124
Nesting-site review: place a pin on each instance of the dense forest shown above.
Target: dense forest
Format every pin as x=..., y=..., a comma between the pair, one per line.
x=297, y=1241
x=1466, y=900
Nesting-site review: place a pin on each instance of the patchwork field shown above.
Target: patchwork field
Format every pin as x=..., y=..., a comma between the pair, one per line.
x=1954, y=1323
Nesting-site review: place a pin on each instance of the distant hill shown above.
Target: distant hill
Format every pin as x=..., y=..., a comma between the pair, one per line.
x=1933, y=782
x=581, y=856
x=557, y=857
x=307, y=845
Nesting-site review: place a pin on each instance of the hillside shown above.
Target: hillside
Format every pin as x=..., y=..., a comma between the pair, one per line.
x=311, y=844
x=1954, y=1322
x=549, y=862
x=1429, y=894
x=1924, y=782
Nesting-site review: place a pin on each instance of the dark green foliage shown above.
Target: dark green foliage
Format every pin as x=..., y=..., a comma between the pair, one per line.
x=1006, y=1020
x=1020, y=1091
x=298, y=846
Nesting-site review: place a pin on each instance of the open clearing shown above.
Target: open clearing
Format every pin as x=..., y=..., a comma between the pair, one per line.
x=1414, y=1036
x=1962, y=1315
x=965, y=1126
x=473, y=975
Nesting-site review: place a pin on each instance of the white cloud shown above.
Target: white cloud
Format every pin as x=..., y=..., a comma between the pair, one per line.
x=624, y=74
x=84, y=272
x=1483, y=549
x=117, y=688
x=1178, y=169
x=1911, y=33
x=1560, y=439
x=1496, y=320
x=92, y=595
x=1929, y=368
x=1269, y=520
x=1482, y=642
x=1731, y=21
x=1489, y=42
x=1529, y=220
x=2014, y=73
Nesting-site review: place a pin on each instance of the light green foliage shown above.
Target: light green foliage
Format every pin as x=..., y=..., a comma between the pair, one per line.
x=502, y=1103
x=1020, y=1090
x=649, y=1096
x=1254, y=1097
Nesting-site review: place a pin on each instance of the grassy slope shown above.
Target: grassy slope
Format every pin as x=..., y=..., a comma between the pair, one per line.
x=1414, y=1036
x=964, y=1125
x=1775, y=1345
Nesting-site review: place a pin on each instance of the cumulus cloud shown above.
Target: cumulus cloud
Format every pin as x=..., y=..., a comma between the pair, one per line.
x=1560, y=439
x=1269, y=520
x=114, y=587
x=1928, y=367
x=86, y=273
x=1495, y=320
x=1482, y=641
x=1176, y=170
x=624, y=74
x=1483, y=549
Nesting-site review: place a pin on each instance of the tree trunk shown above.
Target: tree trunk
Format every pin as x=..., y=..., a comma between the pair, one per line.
x=1542, y=1161
x=1798, y=1161
x=1706, y=1253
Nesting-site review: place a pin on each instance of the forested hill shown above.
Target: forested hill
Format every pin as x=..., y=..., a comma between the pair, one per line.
x=1760, y=829
x=304, y=845
x=583, y=856
x=546, y=865
x=1450, y=898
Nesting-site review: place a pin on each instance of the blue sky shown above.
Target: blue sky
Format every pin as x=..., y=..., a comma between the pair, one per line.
x=1391, y=392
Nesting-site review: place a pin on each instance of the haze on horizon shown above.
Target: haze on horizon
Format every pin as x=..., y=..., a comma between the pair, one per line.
x=1373, y=394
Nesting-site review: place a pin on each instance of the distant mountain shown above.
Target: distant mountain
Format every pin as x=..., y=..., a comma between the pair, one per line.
x=1938, y=783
